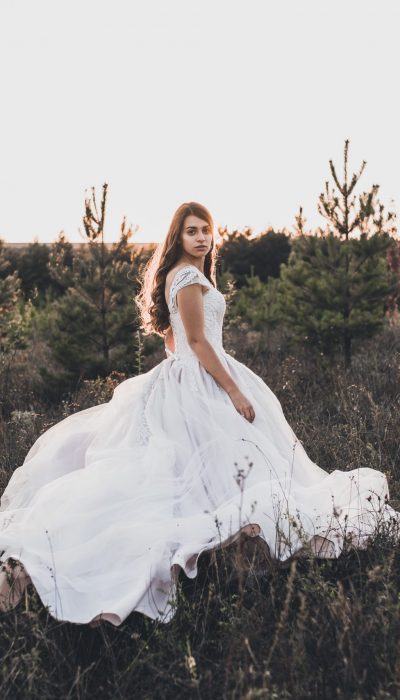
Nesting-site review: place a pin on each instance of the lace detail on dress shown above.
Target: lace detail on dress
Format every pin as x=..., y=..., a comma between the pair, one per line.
x=143, y=431
x=185, y=276
x=214, y=309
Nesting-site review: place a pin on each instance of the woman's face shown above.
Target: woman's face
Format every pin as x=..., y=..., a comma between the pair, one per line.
x=196, y=237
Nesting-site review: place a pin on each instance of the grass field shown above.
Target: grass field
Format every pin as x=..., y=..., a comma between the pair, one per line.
x=244, y=628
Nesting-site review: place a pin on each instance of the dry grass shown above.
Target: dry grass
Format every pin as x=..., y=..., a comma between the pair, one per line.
x=244, y=628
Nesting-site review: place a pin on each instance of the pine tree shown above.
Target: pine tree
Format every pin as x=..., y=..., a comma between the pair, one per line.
x=255, y=303
x=393, y=259
x=92, y=328
x=61, y=261
x=335, y=286
x=300, y=224
x=31, y=263
x=10, y=294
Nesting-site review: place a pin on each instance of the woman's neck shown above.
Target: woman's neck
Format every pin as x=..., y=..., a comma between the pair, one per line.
x=195, y=262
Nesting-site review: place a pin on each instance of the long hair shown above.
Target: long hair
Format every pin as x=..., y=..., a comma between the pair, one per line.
x=153, y=309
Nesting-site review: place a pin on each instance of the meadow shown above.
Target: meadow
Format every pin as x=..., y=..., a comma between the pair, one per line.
x=245, y=627
x=316, y=316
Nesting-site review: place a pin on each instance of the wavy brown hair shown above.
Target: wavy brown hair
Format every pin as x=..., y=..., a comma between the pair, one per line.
x=153, y=309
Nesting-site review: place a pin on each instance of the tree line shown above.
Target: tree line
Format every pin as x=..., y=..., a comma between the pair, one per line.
x=327, y=287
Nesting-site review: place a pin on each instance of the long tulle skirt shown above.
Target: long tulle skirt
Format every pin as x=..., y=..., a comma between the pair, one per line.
x=113, y=500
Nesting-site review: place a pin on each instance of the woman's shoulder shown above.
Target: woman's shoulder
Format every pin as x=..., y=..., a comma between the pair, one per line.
x=183, y=266
x=182, y=275
x=181, y=272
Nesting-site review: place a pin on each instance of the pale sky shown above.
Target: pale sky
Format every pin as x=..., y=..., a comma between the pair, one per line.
x=236, y=104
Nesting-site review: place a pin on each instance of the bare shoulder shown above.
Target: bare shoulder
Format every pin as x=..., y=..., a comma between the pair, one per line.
x=173, y=270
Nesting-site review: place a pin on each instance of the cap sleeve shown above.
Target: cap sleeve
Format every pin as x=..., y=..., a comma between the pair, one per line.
x=183, y=278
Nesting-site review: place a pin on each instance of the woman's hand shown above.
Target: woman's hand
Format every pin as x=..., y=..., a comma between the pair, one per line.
x=242, y=404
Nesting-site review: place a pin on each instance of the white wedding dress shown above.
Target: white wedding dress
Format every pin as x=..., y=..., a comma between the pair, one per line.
x=113, y=499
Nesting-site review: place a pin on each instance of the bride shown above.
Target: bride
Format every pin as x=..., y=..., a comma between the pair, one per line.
x=114, y=500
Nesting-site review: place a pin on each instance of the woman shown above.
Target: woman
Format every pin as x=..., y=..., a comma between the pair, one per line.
x=113, y=500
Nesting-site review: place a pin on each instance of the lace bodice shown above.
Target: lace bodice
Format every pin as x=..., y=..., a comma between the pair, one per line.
x=214, y=309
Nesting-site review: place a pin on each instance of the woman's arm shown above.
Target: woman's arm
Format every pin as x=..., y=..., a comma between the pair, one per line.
x=192, y=315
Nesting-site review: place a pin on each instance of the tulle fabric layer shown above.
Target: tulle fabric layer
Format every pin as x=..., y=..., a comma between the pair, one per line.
x=112, y=500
